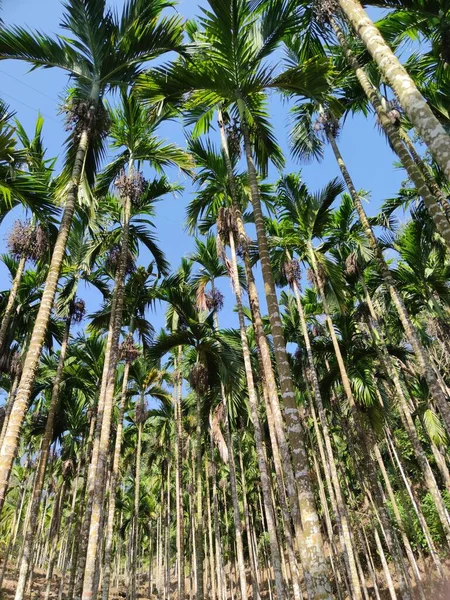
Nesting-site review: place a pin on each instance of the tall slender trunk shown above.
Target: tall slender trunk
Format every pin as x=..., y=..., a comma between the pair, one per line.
x=253, y=401
x=215, y=595
x=54, y=535
x=43, y=458
x=412, y=101
x=115, y=474
x=417, y=509
x=395, y=508
x=253, y=558
x=81, y=512
x=11, y=300
x=9, y=405
x=405, y=415
x=368, y=474
x=11, y=439
x=199, y=504
x=421, y=355
x=137, y=492
x=220, y=572
x=433, y=206
x=105, y=414
x=330, y=464
x=425, y=171
x=178, y=391
x=313, y=557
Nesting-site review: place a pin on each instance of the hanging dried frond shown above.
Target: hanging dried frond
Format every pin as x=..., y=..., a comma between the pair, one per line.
x=68, y=467
x=226, y=223
x=77, y=310
x=82, y=115
x=293, y=273
x=351, y=265
x=362, y=312
x=214, y=300
x=27, y=240
x=128, y=350
x=141, y=413
x=311, y=276
x=321, y=275
x=234, y=135
x=113, y=258
x=131, y=186
x=215, y=419
x=198, y=379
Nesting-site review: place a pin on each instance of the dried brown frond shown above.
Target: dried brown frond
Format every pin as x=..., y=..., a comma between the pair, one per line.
x=128, y=351
x=198, y=379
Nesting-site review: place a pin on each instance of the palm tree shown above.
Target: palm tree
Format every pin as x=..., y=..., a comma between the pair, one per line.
x=29, y=241
x=412, y=101
x=135, y=132
x=102, y=51
x=232, y=76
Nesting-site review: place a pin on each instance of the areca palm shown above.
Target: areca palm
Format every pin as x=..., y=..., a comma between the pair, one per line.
x=104, y=50
x=412, y=101
x=232, y=76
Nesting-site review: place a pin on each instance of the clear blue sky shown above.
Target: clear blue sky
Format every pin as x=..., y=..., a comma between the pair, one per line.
x=368, y=157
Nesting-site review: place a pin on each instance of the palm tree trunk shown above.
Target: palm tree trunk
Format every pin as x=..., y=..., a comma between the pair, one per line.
x=416, y=506
x=39, y=483
x=369, y=476
x=54, y=534
x=115, y=474
x=11, y=300
x=212, y=566
x=68, y=528
x=253, y=402
x=199, y=504
x=425, y=171
x=9, y=405
x=423, y=361
x=395, y=508
x=10, y=441
x=313, y=557
x=235, y=503
x=178, y=391
x=105, y=414
x=405, y=416
x=137, y=493
x=412, y=101
x=220, y=572
x=433, y=206
x=330, y=463
x=81, y=512
x=253, y=559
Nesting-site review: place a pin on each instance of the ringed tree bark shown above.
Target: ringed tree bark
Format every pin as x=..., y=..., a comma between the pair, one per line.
x=313, y=556
x=10, y=441
x=412, y=101
x=431, y=201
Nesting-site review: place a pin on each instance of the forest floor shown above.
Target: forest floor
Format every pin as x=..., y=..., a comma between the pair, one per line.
x=434, y=588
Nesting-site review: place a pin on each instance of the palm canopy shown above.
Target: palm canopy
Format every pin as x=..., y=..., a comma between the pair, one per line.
x=228, y=69
x=134, y=134
x=24, y=172
x=214, y=187
x=103, y=50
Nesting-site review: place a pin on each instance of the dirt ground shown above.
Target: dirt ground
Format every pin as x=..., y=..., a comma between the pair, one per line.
x=435, y=588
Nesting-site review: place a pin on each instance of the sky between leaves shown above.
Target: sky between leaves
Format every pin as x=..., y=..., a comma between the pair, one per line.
x=368, y=157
